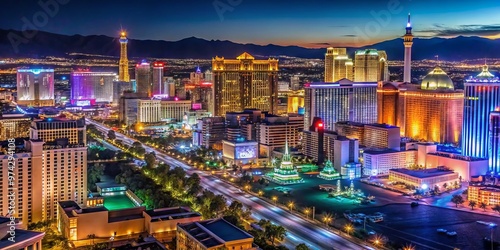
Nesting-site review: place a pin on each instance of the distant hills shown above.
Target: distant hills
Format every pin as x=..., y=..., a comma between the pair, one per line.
x=50, y=44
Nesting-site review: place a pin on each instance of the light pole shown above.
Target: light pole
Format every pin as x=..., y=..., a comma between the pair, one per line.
x=275, y=199
x=307, y=211
x=291, y=205
x=492, y=227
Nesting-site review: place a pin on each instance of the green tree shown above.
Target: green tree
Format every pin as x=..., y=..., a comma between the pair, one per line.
x=472, y=204
x=445, y=186
x=457, y=199
x=483, y=205
x=275, y=233
x=302, y=246
x=150, y=159
x=94, y=174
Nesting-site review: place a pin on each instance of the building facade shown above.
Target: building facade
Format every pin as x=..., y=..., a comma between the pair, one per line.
x=338, y=65
x=245, y=83
x=35, y=87
x=340, y=101
x=426, y=179
x=382, y=136
x=88, y=87
x=494, y=147
x=274, y=131
x=482, y=96
x=143, y=78
x=210, y=132
x=157, y=81
x=14, y=126
x=152, y=111
x=370, y=66
x=379, y=162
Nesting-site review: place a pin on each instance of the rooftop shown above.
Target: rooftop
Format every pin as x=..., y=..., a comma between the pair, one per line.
x=23, y=239
x=170, y=213
x=381, y=125
x=216, y=232
x=457, y=156
x=380, y=151
x=425, y=173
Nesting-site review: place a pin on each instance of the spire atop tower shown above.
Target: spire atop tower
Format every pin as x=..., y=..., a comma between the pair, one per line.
x=408, y=42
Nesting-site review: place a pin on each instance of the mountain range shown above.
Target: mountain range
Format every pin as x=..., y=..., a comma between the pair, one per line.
x=43, y=44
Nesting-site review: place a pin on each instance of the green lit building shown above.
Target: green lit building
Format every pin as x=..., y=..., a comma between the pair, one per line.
x=329, y=172
x=286, y=173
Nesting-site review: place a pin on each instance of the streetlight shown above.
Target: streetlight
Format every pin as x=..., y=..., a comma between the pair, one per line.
x=261, y=192
x=291, y=205
x=307, y=211
x=409, y=247
x=275, y=199
x=348, y=228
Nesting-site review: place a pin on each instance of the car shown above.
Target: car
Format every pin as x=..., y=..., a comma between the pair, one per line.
x=414, y=204
x=371, y=232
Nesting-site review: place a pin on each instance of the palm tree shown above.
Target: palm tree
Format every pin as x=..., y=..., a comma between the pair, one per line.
x=275, y=232
x=472, y=204
x=483, y=205
x=301, y=246
x=457, y=199
x=445, y=185
x=496, y=208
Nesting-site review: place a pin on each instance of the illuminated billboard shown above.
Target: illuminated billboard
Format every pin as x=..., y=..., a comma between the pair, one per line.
x=245, y=152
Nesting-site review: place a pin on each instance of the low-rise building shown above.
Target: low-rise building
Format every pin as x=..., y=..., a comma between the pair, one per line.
x=212, y=235
x=240, y=152
x=76, y=223
x=379, y=162
x=484, y=193
x=13, y=236
x=425, y=178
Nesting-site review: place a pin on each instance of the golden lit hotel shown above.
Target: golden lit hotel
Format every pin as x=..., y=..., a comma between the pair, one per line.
x=487, y=194
x=430, y=112
x=243, y=83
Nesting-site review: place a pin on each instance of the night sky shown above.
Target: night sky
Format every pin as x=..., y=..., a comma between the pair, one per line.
x=311, y=23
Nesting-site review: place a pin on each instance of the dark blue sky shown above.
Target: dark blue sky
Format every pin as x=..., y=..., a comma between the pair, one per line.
x=311, y=23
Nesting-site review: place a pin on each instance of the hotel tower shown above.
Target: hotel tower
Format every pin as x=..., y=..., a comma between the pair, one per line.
x=245, y=83
x=408, y=42
x=123, y=74
x=482, y=96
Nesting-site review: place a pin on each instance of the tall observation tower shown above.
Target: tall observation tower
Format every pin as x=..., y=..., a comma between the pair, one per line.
x=123, y=66
x=408, y=42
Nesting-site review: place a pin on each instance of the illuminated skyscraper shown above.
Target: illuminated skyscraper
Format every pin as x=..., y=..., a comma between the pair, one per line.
x=245, y=83
x=143, y=79
x=432, y=111
x=494, y=147
x=89, y=87
x=383, y=66
x=196, y=77
x=408, y=42
x=158, y=68
x=123, y=75
x=329, y=57
x=35, y=87
x=340, y=101
x=482, y=96
x=367, y=65
x=338, y=65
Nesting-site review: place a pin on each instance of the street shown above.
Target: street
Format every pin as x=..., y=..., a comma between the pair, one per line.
x=299, y=230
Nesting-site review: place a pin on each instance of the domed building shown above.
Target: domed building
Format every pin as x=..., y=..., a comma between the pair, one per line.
x=431, y=111
x=437, y=79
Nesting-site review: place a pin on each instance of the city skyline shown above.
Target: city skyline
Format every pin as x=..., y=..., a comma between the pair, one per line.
x=313, y=24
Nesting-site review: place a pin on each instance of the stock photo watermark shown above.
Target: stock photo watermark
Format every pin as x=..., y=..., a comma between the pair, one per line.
x=11, y=165
x=382, y=20
x=49, y=9
x=223, y=6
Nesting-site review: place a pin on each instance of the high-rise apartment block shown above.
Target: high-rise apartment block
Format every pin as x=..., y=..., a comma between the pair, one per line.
x=340, y=101
x=245, y=83
x=35, y=87
x=50, y=167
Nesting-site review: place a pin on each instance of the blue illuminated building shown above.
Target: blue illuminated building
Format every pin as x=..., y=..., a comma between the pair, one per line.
x=494, y=147
x=482, y=96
